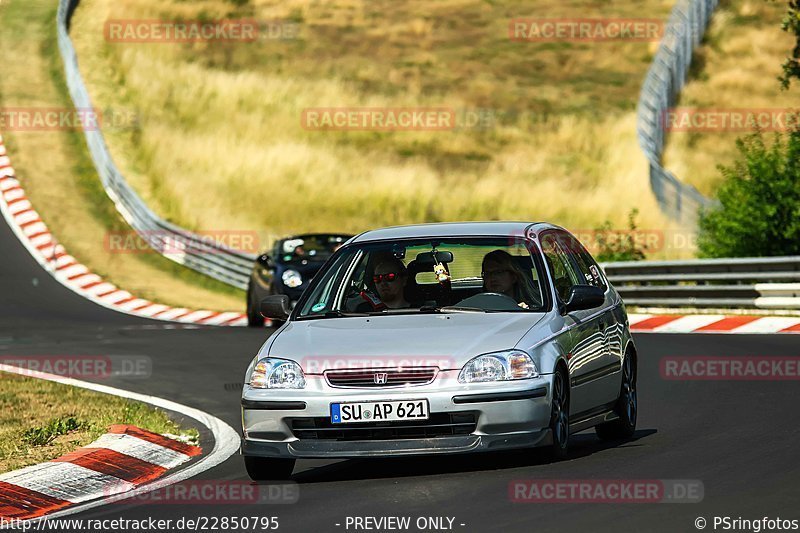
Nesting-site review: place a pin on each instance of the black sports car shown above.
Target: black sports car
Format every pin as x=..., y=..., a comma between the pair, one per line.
x=287, y=269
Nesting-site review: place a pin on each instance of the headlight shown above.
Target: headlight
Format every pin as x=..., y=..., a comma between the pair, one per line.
x=498, y=366
x=272, y=373
x=292, y=278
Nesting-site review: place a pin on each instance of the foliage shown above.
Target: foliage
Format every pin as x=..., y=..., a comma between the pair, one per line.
x=759, y=202
x=791, y=24
x=616, y=245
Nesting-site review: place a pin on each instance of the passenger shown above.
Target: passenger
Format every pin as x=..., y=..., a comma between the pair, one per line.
x=390, y=279
x=502, y=274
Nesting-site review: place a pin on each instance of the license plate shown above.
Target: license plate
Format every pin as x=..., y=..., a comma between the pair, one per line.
x=355, y=412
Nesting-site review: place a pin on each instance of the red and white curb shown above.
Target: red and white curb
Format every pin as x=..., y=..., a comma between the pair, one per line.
x=226, y=444
x=28, y=226
x=119, y=461
x=713, y=324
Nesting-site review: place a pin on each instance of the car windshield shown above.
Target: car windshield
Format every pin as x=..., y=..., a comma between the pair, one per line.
x=425, y=275
x=310, y=247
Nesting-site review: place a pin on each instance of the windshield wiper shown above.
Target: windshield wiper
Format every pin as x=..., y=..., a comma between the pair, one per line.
x=331, y=314
x=450, y=309
x=342, y=314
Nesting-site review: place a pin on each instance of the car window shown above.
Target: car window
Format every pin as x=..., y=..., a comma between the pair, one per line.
x=562, y=270
x=589, y=269
x=492, y=274
x=324, y=298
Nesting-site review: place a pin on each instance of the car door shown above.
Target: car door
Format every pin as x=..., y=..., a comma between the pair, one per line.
x=588, y=355
x=591, y=274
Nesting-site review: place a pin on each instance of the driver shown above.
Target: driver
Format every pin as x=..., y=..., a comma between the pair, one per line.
x=503, y=275
x=390, y=279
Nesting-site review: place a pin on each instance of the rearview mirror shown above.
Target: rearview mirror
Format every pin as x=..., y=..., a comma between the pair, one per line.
x=275, y=307
x=584, y=297
x=426, y=258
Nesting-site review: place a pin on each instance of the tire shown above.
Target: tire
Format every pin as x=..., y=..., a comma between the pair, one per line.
x=268, y=469
x=559, y=416
x=254, y=318
x=626, y=408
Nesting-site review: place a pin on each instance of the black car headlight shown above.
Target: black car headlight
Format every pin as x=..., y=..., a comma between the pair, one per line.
x=292, y=278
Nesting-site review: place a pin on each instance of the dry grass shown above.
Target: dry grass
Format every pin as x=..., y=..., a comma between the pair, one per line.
x=220, y=145
x=41, y=420
x=737, y=67
x=60, y=180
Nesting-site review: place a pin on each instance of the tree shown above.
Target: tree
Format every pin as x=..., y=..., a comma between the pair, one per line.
x=791, y=24
x=759, y=202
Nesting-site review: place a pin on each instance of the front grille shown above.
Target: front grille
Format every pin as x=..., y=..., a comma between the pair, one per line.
x=438, y=425
x=373, y=378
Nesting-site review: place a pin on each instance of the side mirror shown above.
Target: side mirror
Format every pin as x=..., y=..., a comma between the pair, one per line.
x=584, y=297
x=275, y=307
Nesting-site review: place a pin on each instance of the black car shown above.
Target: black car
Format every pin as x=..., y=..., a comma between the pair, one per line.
x=288, y=268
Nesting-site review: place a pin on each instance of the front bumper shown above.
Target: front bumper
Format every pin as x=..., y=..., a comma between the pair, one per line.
x=506, y=415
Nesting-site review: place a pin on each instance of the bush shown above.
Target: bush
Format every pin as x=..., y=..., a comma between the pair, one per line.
x=759, y=202
x=619, y=246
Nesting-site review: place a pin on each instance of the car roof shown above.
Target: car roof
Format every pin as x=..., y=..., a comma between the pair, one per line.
x=453, y=229
x=310, y=235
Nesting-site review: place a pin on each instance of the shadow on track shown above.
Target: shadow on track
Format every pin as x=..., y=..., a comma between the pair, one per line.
x=581, y=445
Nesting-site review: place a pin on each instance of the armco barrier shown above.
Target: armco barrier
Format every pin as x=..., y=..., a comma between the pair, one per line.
x=225, y=264
x=744, y=283
x=664, y=81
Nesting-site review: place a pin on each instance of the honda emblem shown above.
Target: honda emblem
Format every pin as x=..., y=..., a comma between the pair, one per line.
x=380, y=378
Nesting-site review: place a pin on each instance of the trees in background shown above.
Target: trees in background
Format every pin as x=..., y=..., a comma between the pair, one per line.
x=759, y=202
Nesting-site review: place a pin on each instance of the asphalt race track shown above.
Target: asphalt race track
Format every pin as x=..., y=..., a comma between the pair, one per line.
x=740, y=439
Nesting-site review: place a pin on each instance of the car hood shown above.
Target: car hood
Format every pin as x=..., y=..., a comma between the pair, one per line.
x=444, y=340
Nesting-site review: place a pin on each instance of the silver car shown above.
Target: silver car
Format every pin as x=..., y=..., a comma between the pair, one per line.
x=442, y=338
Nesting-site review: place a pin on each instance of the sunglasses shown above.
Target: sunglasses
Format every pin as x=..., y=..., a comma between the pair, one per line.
x=390, y=276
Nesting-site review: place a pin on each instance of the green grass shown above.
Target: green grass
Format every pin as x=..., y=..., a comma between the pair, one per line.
x=736, y=67
x=103, y=209
x=221, y=141
x=55, y=166
x=42, y=420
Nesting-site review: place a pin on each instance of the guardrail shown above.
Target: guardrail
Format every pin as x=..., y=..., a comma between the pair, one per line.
x=664, y=81
x=749, y=283
x=220, y=262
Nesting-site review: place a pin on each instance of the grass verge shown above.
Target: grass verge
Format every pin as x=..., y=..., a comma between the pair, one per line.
x=41, y=420
x=219, y=140
x=59, y=177
x=736, y=68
